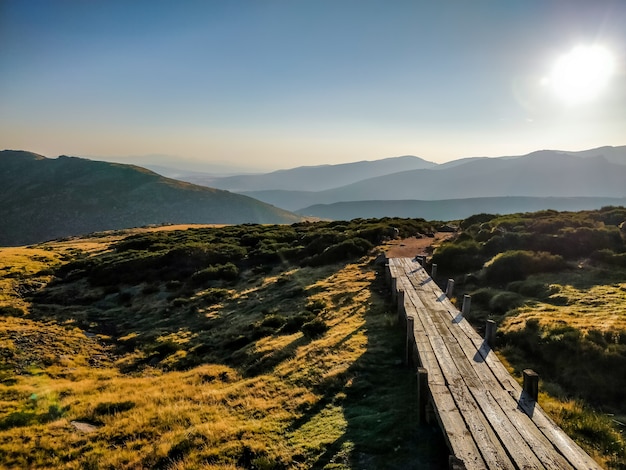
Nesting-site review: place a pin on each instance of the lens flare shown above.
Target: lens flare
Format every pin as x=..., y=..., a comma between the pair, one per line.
x=581, y=75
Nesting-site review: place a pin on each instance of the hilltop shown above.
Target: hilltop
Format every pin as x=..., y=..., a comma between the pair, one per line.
x=43, y=198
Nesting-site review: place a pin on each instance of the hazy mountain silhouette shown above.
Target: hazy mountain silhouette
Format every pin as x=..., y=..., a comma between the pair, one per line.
x=43, y=198
x=313, y=178
x=452, y=209
x=545, y=173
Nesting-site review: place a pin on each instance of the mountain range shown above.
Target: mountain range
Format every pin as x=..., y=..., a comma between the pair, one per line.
x=598, y=173
x=43, y=198
x=312, y=178
x=455, y=209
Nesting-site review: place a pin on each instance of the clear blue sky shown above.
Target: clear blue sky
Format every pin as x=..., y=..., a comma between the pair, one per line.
x=283, y=83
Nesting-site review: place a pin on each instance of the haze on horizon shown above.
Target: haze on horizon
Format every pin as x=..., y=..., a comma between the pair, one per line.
x=279, y=84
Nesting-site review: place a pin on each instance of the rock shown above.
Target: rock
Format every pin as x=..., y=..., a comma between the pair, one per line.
x=84, y=427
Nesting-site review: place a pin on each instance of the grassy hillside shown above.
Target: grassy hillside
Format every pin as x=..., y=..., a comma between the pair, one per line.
x=275, y=347
x=42, y=199
x=556, y=285
x=252, y=346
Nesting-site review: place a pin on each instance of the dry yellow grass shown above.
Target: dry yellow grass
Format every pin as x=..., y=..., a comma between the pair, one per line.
x=601, y=307
x=292, y=414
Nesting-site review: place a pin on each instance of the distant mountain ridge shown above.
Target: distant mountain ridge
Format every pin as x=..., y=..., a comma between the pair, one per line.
x=43, y=198
x=453, y=209
x=313, y=178
x=544, y=173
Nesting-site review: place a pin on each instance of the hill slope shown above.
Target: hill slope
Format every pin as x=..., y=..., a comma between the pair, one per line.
x=42, y=198
x=451, y=209
x=314, y=178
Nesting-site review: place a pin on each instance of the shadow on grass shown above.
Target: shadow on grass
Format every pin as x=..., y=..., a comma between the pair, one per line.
x=377, y=396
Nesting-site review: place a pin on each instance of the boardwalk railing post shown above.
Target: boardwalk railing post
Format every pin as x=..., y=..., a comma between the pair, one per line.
x=422, y=394
x=433, y=272
x=394, y=290
x=531, y=383
x=387, y=274
x=450, y=288
x=401, y=309
x=467, y=302
x=490, y=333
x=410, y=339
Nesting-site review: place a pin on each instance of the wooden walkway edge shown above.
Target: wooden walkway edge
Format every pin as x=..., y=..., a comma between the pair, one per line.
x=487, y=419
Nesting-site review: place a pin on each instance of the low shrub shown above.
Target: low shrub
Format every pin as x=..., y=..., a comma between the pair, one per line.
x=529, y=288
x=226, y=272
x=314, y=328
x=516, y=265
x=458, y=257
x=504, y=301
x=347, y=249
x=294, y=324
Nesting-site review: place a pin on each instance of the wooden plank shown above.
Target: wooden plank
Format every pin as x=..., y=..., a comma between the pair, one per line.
x=515, y=446
x=497, y=398
x=575, y=455
x=487, y=441
x=458, y=437
x=511, y=395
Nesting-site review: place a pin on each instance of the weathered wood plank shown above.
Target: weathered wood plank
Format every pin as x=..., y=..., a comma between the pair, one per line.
x=492, y=451
x=458, y=437
x=576, y=456
x=514, y=445
x=548, y=442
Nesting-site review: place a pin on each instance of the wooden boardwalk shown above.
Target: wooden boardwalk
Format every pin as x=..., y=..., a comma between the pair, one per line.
x=487, y=420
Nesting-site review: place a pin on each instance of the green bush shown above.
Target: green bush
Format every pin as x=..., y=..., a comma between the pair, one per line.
x=528, y=288
x=610, y=257
x=314, y=328
x=294, y=323
x=516, y=265
x=347, y=249
x=273, y=321
x=502, y=302
x=477, y=219
x=226, y=272
x=458, y=257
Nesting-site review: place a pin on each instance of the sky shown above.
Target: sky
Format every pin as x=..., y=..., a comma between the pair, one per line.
x=268, y=84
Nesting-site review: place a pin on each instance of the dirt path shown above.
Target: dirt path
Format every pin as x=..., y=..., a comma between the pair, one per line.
x=411, y=247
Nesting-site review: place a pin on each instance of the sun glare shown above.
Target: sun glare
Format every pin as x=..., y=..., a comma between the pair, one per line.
x=580, y=75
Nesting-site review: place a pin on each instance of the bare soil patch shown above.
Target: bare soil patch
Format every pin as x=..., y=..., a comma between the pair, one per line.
x=411, y=247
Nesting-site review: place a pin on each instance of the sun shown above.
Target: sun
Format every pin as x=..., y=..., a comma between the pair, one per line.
x=582, y=74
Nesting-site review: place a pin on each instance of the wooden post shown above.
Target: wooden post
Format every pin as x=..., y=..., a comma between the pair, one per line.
x=467, y=302
x=433, y=272
x=394, y=290
x=401, y=309
x=387, y=274
x=531, y=383
x=410, y=339
x=450, y=288
x=422, y=394
x=490, y=333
